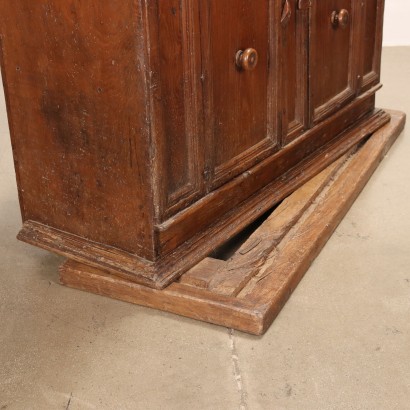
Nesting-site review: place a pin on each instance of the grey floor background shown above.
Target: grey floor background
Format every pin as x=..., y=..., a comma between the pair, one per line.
x=341, y=342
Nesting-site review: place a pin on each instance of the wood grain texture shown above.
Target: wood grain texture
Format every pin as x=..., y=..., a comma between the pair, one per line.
x=74, y=77
x=247, y=261
x=237, y=102
x=334, y=57
x=180, y=299
x=330, y=143
x=139, y=143
x=327, y=200
x=202, y=273
x=176, y=99
x=279, y=277
x=371, y=43
x=294, y=46
x=162, y=272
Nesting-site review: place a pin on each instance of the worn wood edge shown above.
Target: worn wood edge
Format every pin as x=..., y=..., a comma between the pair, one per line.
x=246, y=262
x=251, y=312
x=361, y=108
x=347, y=187
x=234, y=274
x=200, y=275
x=80, y=249
x=179, y=299
x=164, y=271
x=241, y=216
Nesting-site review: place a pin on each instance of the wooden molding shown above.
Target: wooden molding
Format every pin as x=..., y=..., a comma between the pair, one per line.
x=249, y=299
x=165, y=270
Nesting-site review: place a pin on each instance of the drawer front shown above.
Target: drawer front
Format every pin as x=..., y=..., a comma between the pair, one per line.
x=239, y=92
x=334, y=56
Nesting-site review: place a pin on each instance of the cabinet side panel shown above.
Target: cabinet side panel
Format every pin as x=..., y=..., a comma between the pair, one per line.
x=74, y=76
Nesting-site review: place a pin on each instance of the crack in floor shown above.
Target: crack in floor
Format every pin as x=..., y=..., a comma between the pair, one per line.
x=237, y=372
x=69, y=401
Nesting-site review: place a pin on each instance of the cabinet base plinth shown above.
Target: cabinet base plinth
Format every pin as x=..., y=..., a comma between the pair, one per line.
x=247, y=291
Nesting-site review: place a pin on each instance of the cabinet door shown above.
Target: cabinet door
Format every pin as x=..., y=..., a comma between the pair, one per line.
x=334, y=56
x=372, y=26
x=176, y=102
x=294, y=68
x=239, y=98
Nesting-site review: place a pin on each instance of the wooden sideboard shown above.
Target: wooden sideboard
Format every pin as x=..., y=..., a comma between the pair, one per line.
x=148, y=132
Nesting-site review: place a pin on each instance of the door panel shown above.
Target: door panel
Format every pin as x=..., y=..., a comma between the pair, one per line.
x=294, y=66
x=240, y=119
x=176, y=102
x=334, y=56
x=372, y=23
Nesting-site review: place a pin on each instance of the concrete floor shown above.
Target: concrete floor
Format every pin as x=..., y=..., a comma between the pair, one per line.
x=341, y=342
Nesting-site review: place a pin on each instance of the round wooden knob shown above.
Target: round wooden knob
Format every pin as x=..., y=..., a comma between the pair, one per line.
x=247, y=60
x=341, y=18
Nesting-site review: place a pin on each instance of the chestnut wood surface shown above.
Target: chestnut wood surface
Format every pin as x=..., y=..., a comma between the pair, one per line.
x=74, y=81
x=294, y=71
x=172, y=265
x=372, y=29
x=140, y=128
x=240, y=105
x=334, y=56
x=254, y=284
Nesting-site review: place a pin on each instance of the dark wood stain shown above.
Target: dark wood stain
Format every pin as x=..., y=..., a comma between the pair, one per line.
x=137, y=136
x=248, y=291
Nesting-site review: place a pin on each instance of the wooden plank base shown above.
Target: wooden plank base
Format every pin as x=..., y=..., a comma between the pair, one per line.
x=247, y=291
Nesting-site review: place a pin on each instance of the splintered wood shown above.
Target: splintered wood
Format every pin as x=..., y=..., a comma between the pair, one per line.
x=247, y=291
